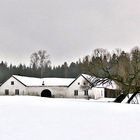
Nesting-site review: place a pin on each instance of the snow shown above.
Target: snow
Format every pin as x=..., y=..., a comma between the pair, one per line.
x=36, y=118
x=104, y=100
x=32, y=81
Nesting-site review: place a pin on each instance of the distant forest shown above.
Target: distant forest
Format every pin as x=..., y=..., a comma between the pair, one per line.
x=41, y=70
x=64, y=71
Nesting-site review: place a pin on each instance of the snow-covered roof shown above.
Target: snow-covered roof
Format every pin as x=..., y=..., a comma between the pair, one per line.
x=32, y=81
x=91, y=79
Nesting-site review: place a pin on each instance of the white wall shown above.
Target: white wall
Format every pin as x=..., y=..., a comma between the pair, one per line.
x=98, y=92
x=12, y=88
x=81, y=85
x=55, y=91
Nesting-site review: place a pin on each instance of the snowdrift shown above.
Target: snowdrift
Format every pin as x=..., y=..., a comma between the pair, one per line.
x=36, y=118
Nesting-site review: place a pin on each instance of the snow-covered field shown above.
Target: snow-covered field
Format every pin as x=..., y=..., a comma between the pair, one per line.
x=36, y=118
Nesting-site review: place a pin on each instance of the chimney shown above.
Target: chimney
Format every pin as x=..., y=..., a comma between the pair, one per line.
x=43, y=83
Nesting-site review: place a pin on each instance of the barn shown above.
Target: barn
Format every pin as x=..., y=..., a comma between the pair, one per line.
x=48, y=87
x=79, y=87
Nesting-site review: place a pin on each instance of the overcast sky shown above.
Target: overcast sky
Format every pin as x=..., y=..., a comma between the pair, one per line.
x=67, y=29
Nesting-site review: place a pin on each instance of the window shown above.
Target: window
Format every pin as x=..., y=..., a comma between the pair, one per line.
x=17, y=92
x=78, y=83
x=86, y=92
x=12, y=82
x=75, y=92
x=7, y=92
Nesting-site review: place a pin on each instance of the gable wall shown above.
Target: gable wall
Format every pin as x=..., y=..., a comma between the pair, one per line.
x=81, y=84
x=17, y=85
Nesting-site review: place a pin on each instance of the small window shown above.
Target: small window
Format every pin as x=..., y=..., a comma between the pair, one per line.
x=12, y=82
x=17, y=92
x=78, y=83
x=7, y=92
x=75, y=92
x=86, y=92
x=84, y=83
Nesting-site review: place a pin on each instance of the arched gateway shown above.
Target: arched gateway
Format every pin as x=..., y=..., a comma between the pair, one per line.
x=46, y=93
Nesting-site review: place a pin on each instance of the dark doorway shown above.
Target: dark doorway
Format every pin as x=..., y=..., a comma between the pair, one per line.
x=46, y=93
x=16, y=91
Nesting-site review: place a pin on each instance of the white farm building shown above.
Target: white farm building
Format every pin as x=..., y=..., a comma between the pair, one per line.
x=53, y=87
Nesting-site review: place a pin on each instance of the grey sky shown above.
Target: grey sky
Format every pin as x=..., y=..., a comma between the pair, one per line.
x=67, y=29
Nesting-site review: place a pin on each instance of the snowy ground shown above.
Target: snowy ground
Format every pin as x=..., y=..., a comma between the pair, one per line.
x=36, y=118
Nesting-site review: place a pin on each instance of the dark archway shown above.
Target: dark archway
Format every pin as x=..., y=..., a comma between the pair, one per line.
x=46, y=93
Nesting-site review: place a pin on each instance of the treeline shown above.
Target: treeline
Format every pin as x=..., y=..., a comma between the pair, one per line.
x=64, y=71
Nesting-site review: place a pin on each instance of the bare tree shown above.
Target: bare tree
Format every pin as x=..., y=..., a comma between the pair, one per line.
x=39, y=60
x=120, y=67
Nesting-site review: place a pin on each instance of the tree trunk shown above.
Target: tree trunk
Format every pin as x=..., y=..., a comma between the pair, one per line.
x=131, y=98
x=120, y=98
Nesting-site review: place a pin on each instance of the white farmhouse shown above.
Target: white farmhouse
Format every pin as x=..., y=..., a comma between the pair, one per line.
x=52, y=87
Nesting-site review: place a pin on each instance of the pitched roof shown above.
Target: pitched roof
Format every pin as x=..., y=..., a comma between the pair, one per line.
x=91, y=79
x=32, y=81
